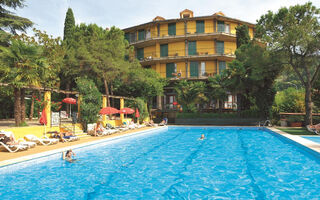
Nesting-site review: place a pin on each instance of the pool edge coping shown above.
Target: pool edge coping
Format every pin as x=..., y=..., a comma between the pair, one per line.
x=59, y=150
x=298, y=139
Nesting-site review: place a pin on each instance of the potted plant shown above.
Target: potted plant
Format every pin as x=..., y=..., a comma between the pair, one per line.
x=295, y=121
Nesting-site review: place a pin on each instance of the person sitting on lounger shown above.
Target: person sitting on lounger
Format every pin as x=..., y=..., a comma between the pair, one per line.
x=7, y=139
x=314, y=128
x=164, y=122
x=98, y=129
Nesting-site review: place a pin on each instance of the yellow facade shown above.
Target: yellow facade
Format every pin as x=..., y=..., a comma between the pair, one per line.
x=180, y=28
x=208, y=26
x=230, y=47
x=150, y=51
x=182, y=51
x=205, y=47
x=191, y=27
x=163, y=30
x=176, y=49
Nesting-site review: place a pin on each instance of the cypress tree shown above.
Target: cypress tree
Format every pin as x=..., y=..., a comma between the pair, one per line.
x=69, y=25
x=242, y=33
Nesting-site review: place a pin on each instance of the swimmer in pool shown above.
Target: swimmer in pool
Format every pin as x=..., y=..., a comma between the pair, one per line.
x=69, y=156
x=202, y=137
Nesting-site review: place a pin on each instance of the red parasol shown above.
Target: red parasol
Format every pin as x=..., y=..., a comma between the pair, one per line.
x=69, y=101
x=175, y=103
x=126, y=111
x=43, y=118
x=137, y=113
x=108, y=111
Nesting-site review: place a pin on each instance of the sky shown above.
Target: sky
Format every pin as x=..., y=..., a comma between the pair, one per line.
x=49, y=15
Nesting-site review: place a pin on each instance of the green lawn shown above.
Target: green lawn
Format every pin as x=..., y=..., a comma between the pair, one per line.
x=296, y=131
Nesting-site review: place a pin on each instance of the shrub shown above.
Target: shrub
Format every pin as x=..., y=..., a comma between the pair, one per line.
x=91, y=101
x=290, y=100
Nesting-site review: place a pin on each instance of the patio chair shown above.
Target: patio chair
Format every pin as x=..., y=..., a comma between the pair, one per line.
x=26, y=143
x=13, y=148
x=42, y=141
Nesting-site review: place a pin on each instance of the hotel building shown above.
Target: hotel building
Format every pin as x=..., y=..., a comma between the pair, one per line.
x=189, y=47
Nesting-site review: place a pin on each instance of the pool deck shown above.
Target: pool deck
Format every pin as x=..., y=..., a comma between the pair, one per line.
x=7, y=158
x=299, y=139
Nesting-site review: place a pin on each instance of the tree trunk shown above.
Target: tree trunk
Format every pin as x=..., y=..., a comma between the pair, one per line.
x=17, y=108
x=308, y=102
x=107, y=91
x=220, y=105
x=67, y=96
x=32, y=106
x=111, y=92
x=23, y=105
x=39, y=108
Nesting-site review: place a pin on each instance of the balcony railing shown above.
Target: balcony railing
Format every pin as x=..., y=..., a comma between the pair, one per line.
x=181, y=54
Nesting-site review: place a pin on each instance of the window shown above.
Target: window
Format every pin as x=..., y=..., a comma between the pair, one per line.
x=140, y=54
x=141, y=35
x=172, y=29
x=171, y=68
x=220, y=26
x=127, y=37
x=227, y=27
x=133, y=37
x=220, y=47
x=194, y=71
x=164, y=50
x=222, y=66
x=200, y=26
x=148, y=35
x=203, y=69
x=192, y=48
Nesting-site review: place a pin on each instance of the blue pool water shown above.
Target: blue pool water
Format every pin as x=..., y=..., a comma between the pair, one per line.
x=231, y=163
x=313, y=138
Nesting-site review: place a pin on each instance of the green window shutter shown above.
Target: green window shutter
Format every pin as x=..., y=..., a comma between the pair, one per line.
x=127, y=36
x=200, y=26
x=194, y=71
x=192, y=48
x=140, y=54
x=170, y=69
x=141, y=35
x=220, y=47
x=222, y=66
x=164, y=50
x=220, y=26
x=172, y=29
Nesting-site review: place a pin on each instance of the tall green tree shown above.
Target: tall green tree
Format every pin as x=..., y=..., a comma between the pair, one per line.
x=68, y=72
x=294, y=33
x=253, y=72
x=190, y=93
x=20, y=64
x=242, y=33
x=217, y=90
x=69, y=25
x=9, y=21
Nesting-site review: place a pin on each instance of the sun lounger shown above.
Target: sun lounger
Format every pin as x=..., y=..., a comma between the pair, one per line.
x=313, y=130
x=13, y=148
x=27, y=143
x=43, y=141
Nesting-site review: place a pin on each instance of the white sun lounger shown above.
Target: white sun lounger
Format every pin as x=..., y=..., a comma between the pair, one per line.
x=44, y=141
x=13, y=148
x=27, y=143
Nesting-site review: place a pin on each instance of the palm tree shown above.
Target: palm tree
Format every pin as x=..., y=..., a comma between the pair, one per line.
x=21, y=66
x=216, y=90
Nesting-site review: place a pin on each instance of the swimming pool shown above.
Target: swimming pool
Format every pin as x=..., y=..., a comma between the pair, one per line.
x=312, y=138
x=231, y=163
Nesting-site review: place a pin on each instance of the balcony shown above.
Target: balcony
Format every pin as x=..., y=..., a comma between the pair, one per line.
x=223, y=36
x=179, y=55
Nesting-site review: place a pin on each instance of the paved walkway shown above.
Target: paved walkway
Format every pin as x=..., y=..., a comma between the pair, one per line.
x=39, y=149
